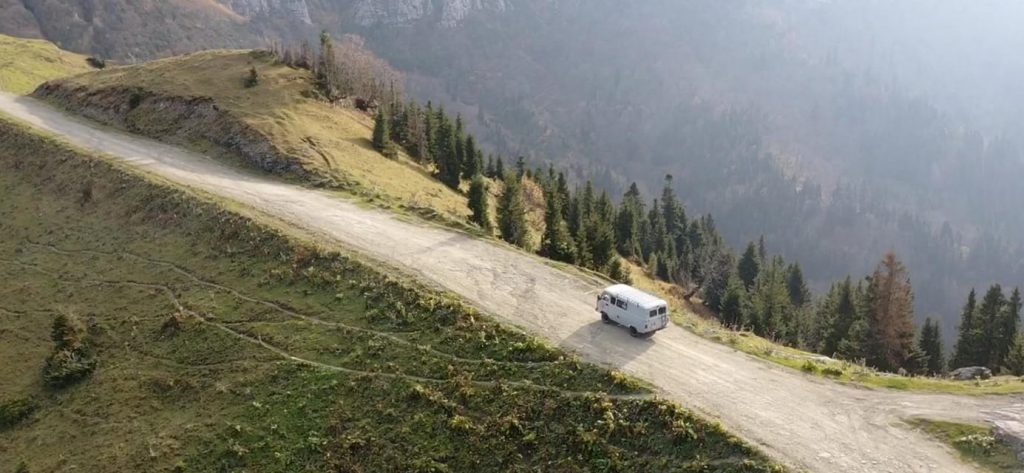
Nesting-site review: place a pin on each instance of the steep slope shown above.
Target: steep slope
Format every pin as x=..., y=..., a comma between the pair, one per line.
x=224, y=345
x=25, y=63
x=786, y=412
x=200, y=100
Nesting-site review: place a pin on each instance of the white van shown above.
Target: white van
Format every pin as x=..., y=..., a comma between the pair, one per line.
x=630, y=307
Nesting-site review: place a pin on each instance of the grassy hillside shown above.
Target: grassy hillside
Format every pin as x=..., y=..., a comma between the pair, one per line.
x=222, y=345
x=974, y=443
x=327, y=141
x=26, y=63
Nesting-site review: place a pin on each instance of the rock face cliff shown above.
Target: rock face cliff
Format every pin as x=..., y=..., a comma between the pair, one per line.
x=295, y=10
x=448, y=13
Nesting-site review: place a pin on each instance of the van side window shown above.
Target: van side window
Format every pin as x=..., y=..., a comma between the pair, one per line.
x=614, y=301
x=621, y=303
x=662, y=310
x=654, y=313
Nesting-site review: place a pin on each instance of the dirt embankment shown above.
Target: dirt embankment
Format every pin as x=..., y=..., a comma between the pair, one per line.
x=187, y=121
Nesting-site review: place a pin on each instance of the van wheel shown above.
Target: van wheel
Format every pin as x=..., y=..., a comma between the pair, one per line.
x=633, y=332
x=605, y=318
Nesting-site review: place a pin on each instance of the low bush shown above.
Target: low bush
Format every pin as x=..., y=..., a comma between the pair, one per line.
x=14, y=411
x=72, y=359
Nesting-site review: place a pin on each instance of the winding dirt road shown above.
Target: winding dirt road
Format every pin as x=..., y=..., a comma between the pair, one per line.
x=805, y=422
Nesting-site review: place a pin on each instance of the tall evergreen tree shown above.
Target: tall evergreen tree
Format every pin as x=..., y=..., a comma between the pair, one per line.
x=799, y=294
x=381, y=135
x=478, y=203
x=1014, y=363
x=891, y=314
x=734, y=303
x=628, y=221
x=837, y=313
x=601, y=234
x=749, y=266
x=967, y=350
x=490, y=172
x=675, y=215
x=771, y=312
x=499, y=167
x=1008, y=327
x=989, y=312
x=473, y=163
x=512, y=213
x=930, y=345
x=557, y=242
x=521, y=167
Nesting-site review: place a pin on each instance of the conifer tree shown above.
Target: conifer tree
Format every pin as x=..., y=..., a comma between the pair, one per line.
x=890, y=315
x=618, y=271
x=966, y=352
x=521, y=167
x=1014, y=363
x=499, y=168
x=930, y=345
x=675, y=216
x=799, y=294
x=473, y=160
x=601, y=234
x=557, y=242
x=1010, y=320
x=988, y=317
x=734, y=303
x=490, y=172
x=478, y=203
x=512, y=213
x=628, y=221
x=838, y=312
x=749, y=266
x=381, y=135
x=563, y=190
x=459, y=158
x=762, y=249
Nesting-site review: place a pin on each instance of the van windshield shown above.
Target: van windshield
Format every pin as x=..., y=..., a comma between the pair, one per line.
x=662, y=310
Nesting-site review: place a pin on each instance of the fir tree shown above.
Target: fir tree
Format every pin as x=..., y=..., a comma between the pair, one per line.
x=749, y=266
x=628, y=221
x=988, y=315
x=966, y=352
x=799, y=294
x=557, y=242
x=837, y=312
x=381, y=135
x=499, y=168
x=491, y=172
x=1014, y=363
x=890, y=314
x=520, y=167
x=512, y=213
x=734, y=303
x=478, y=203
x=930, y=345
x=473, y=163
x=618, y=271
x=1010, y=320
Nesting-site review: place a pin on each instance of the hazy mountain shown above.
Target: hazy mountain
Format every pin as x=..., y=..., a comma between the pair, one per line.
x=837, y=129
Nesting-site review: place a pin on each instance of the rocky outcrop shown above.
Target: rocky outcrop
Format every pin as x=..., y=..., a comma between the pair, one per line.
x=971, y=372
x=296, y=10
x=176, y=120
x=447, y=13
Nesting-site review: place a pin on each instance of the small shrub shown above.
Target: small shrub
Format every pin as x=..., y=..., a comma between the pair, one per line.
x=981, y=444
x=22, y=467
x=14, y=411
x=96, y=62
x=809, y=367
x=135, y=100
x=72, y=359
x=832, y=371
x=253, y=79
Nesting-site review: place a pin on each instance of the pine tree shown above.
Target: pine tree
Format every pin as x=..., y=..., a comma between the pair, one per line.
x=749, y=266
x=499, y=168
x=601, y=234
x=988, y=317
x=459, y=158
x=381, y=135
x=930, y=345
x=1010, y=320
x=891, y=314
x=557, y=242
x=771, y=312
x=618, y=272
x=563, y=190
x=1014, y=363
x=512, y=213
x=491, y=172
x=799, y=294
x=734, y=303
x=520, y=167
x=473, y=163
x=478, y=203
x=837, y=313
x=627, y=223
x=674, y=214
x=966, y=352
x=762, y=249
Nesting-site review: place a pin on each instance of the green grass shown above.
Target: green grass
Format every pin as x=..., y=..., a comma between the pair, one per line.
x=26, y=63
x=974, y=443
x=332, y=142
x=224, y=346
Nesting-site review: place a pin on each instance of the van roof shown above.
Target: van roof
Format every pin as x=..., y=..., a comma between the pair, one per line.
x=635, y=295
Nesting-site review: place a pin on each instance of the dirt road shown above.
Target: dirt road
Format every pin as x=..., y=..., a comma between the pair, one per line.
x=803, y=421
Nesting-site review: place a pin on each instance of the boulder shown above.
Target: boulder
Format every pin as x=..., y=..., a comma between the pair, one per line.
x=971, y=372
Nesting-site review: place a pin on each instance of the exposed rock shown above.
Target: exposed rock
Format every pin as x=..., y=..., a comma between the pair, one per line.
x=292, y=9
x=971, y=372
x=1011, y=432
x=447, y=13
